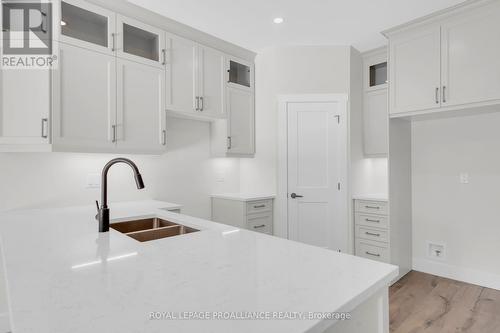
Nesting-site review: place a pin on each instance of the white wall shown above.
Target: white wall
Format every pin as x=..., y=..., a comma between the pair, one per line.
x=185, y=174
x=462, y=216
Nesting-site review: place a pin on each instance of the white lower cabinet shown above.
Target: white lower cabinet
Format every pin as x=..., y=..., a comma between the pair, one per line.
x=141, y=115
x=25, y=102
x=84, y=116
x=247, y=212
x=372, y=230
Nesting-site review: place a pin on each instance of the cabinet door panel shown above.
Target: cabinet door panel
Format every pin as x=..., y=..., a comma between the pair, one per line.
x=140, y=42
x=24, y=106
x=240, y=106
x=181, y=71
x=375, y=122
x=471, y=57
x=87, y=25
x=415, y=67
x=141, y=107
x=211, y=82
x=85, y=107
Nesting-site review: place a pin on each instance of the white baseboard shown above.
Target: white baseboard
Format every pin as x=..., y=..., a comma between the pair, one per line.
x=469, y=275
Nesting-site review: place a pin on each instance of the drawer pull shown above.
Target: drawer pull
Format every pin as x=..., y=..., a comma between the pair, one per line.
x=372, y=207
x=372, y=254
x=259, y=226
x=259, y=206
x=374, y=221
x=372, y=234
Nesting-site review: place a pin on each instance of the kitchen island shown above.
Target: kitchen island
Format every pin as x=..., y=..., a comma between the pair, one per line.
x=63, y=276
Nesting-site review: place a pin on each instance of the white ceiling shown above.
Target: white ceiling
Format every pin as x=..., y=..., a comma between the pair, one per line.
x=249, y=23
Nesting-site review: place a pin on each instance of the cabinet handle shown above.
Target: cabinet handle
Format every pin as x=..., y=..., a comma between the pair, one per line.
x=113, y=138
x=374, y=221
x=229, y=143
x=164, y=137
x=444, y=94
x=113, y=42
x=202, y=103
x=259, y=206
x=45, y=123
x=164, y=53
x=372, y=207
x=372, y=254
x=372, y=234
x=259, y=226
x=197, y=108
x=437, y=95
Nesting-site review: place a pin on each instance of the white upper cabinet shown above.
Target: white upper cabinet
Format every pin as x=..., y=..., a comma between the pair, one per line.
x=375, y=107
x=241, y=121
x=88, y=26
x=375, y=122
x=471, y=57
x=415, y=64
x=446, y=62
x=84, y=101
x=141, y=124
x=25, y=104
x=181, y=72
x=140, y=42
x=211, y=85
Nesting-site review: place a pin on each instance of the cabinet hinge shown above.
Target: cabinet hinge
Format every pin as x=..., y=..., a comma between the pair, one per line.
x=339, y=186
x=338, y=119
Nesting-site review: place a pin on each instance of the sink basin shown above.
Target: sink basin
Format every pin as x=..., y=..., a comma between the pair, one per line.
x=139, y=225
x=151, y=229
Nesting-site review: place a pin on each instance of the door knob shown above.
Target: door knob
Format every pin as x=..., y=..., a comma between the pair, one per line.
x=294, y=195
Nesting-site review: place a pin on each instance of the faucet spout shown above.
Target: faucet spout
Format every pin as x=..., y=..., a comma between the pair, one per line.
x=103, y=213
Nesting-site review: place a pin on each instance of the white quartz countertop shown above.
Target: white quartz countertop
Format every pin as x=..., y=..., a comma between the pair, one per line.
x=63, y=276
x=243, y=196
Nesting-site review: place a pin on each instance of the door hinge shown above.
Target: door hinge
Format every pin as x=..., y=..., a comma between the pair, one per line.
x=339, y=186
x=338, y=119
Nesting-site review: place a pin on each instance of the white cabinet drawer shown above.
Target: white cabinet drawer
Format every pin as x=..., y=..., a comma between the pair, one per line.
x=371, y=207
x=378, y=235
x=371, y=220
x=372, y=250
x=259, y=206
x=261, y=223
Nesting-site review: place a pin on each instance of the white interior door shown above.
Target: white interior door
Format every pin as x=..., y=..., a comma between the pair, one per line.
x=316, y=159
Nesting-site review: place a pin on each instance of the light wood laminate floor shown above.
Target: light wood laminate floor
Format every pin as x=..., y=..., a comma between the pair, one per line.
x=421, y=302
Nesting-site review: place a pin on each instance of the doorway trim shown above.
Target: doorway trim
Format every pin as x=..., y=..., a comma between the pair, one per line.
x=281, y=214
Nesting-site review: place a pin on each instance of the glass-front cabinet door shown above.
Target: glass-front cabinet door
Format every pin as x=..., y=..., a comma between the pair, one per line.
x=89, y=26
x=240, y=74
x=378, y=74
x=140, y=42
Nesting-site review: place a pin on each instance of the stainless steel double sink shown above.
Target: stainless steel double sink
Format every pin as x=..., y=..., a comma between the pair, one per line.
x=151, y=229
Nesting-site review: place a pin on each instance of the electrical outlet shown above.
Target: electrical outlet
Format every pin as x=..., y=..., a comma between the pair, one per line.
x=464, y=178
x=436, y=250
x=93, y=180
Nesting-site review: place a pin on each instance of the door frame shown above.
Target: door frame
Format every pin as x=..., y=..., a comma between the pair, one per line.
x=281, y=221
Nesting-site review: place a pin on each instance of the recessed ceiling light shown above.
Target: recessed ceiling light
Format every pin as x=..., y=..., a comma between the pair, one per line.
x=278, y=20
